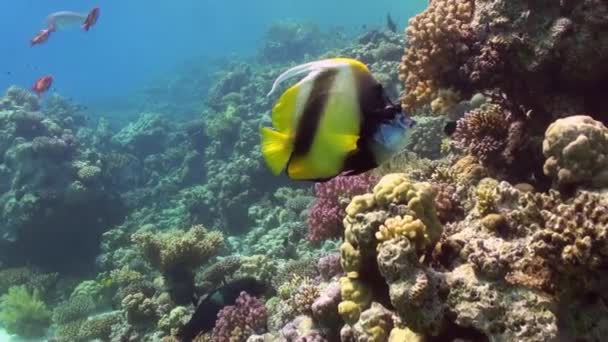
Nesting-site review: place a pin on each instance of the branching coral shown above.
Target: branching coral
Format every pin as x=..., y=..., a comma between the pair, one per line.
x=436, y=40
x=325, y=216
x=23, y=313
x=489, y=134
x=237, y=322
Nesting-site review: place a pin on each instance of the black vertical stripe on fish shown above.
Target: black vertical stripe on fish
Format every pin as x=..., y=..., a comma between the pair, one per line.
x=370, y=95
x=312, y=111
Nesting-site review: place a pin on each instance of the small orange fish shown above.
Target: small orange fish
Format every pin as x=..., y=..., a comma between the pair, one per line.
x=41, y=37
x=42, y=84
x=91, y=19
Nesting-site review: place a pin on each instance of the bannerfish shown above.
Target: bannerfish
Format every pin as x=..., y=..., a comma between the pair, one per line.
x=42, y=84
x=205, y=314
x=336, y=120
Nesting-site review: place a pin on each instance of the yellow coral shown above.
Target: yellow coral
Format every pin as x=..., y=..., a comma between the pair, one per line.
x=355, y=298
x=486, y=196
x=404, y=335
x=405, y=226
x=392, y=188
x=420, y=198
x=446, y=99
x=359, y=204
x=350, y=259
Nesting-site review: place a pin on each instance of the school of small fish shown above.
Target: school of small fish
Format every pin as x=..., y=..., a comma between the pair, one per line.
x=56, y=21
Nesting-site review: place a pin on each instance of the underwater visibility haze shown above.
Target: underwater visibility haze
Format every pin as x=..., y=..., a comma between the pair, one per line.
x=298, y=171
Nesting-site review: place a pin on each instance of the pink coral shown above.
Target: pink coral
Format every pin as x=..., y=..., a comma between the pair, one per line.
x=235, y=323
x=325, y=216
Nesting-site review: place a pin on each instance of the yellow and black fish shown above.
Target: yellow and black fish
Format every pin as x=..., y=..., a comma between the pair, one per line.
x=336, y=120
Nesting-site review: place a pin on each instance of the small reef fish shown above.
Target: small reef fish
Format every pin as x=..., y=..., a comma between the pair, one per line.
x=42, y=84
x=336, y=120
x=91, y=19
x=205, y=315
x=41, y=37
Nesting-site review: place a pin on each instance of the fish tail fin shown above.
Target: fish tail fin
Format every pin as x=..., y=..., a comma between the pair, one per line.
x=276, y=149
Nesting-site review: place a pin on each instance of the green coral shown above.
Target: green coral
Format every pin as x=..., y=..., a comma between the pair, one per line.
x=178, y=249
x=24, y=313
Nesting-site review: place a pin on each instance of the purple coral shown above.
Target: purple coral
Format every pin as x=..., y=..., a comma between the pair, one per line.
x=329, y=266
x=325, y=307
x=301, y=330
x=325, y=216
x=235, y=323
x=491, y=134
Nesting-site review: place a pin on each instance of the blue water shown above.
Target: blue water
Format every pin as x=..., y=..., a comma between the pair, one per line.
x=135, y=40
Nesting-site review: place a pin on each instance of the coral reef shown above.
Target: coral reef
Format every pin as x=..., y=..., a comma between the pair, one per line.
x=490, y=225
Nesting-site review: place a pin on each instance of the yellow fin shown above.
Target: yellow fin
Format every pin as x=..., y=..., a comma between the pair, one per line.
x=284, y=111
x=276, y=149
x=325, y=159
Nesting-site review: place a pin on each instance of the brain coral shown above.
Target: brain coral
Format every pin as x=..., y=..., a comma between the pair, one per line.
x=576, y=148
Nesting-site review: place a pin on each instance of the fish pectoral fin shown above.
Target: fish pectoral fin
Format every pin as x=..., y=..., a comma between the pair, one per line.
x=276, y=149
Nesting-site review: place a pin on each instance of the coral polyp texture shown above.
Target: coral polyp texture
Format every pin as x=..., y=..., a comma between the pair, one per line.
x=436, y=41
x=245, y=318
x=325, y=215
x=576, y=148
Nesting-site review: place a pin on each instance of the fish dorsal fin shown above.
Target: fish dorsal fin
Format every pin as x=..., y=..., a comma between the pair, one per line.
x=310, y=67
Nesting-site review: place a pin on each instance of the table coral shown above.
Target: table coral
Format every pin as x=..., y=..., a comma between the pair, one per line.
x=576, y=149
x=179, y=249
